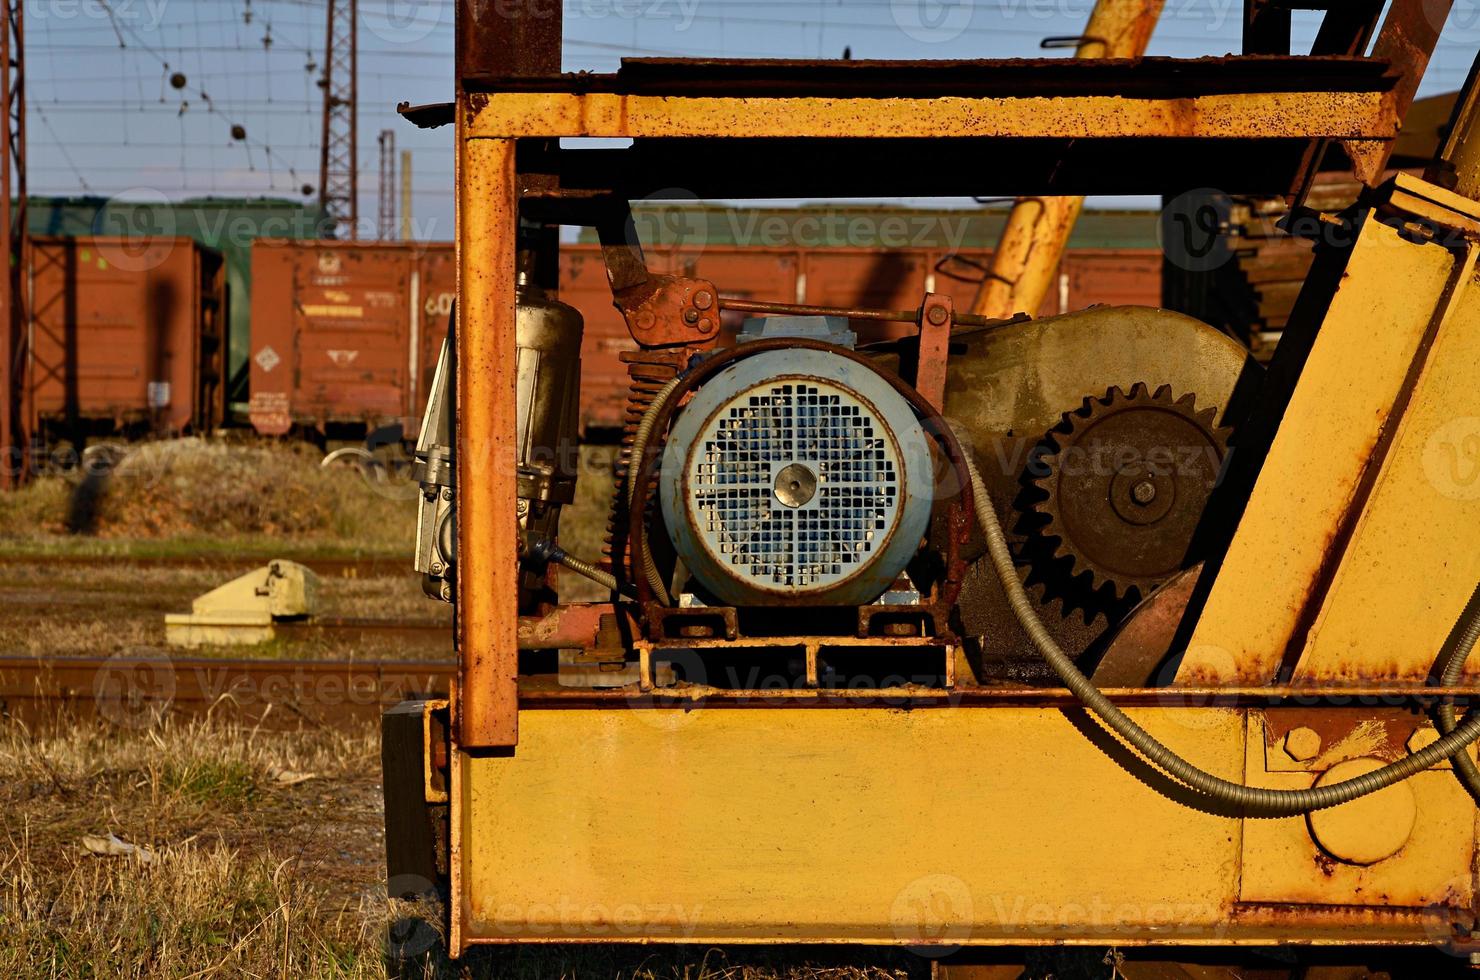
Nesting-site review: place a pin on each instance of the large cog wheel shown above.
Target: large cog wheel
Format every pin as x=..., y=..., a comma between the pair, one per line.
x=1124, y=482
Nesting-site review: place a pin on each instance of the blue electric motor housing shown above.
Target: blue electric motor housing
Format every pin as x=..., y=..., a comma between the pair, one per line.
x=797, y=477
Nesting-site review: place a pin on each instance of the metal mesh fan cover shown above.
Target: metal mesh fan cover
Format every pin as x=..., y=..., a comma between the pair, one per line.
x=796, y=476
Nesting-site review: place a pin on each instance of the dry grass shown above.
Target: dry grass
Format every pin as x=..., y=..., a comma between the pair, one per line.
x=203, y=494
x=243, y=880
x=252, y=878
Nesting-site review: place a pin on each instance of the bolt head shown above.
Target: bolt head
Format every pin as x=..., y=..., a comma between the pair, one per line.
x=936, y=315
x=690, y=316
x=1144, y=492
x=1302, y=744
x=703, y=299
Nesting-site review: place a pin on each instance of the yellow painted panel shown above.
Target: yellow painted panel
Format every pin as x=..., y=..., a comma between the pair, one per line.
x=951, y=825
x=1340, y=405
x=1282, y=864
x=1414, y=558
x=1362, y=115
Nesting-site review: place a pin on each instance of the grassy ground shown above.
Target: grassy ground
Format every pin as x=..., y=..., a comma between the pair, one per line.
x=252, y=870
x=191, y=497
x=231, y=504
x=107, y=607
x=240, y=867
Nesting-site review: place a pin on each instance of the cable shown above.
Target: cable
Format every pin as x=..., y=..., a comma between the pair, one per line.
x=1253, y=800
x=601, y=577
x=547, y=550
x=1454, y=664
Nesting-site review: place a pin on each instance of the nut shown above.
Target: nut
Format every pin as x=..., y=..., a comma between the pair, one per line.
x=1302, y=744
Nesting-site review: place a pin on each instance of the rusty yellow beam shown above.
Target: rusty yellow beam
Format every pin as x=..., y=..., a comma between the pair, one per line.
x=486, y=698
x=1262, y=115
x=1038, y=228
x=846, y=828
x=1360, y=542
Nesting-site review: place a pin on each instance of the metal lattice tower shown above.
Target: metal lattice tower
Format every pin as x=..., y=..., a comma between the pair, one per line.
x=338, y=155
x=386, y=225
x=14, y=239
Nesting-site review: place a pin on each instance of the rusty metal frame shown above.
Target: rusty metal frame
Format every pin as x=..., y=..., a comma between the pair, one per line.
x=523, y=106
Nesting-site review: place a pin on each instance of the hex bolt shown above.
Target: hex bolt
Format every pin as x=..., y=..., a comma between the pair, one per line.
x=1302, y=744
x=703, y=299
x=936, y=315
x=1144, y=492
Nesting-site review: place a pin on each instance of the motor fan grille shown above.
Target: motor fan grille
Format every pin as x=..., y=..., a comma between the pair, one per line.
x=833, y=435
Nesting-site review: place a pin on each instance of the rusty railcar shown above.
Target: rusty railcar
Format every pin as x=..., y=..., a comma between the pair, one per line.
x=126, y=338
x=346, y=335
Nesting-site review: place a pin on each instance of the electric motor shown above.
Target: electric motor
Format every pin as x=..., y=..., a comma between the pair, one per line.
x=796, y=477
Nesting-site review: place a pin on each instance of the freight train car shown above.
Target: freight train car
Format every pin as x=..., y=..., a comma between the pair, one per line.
x=345, y=335
x=126, y=338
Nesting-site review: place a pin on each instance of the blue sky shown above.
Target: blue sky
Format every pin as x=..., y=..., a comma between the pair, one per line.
x=105, y=120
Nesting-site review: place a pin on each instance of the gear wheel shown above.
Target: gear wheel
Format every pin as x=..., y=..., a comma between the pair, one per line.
x=1124, y=481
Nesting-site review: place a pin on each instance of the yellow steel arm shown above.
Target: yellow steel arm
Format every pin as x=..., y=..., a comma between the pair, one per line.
x=1038, y=228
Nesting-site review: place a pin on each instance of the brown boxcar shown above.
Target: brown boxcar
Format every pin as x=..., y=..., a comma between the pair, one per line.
x=127, y=336
x=347, y=334
x=336, y=332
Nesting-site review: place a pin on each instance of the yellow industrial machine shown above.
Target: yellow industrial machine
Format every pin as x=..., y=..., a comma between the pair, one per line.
x=1085, y=630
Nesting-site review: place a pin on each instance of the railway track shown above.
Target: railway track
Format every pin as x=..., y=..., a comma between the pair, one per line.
x=138, y=689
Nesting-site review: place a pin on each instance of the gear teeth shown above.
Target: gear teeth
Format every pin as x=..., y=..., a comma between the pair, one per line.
x=1083, y=575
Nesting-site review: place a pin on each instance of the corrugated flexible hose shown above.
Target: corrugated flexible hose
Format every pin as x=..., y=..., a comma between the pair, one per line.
x=1251, y=800
x=1454, y=666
